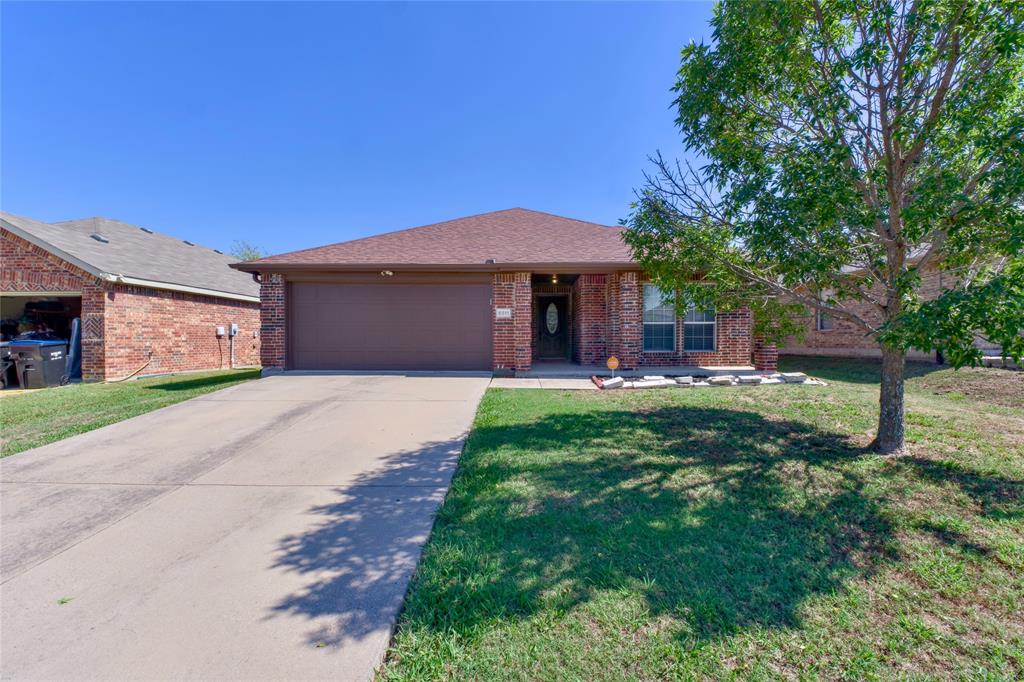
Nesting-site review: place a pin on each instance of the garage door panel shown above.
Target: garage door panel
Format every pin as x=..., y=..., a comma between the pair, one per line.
x=390, y=326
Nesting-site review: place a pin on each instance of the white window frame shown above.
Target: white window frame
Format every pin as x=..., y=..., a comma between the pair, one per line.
x=714, y=330
x=673, y=324
x=818, y=324
x=824, y=295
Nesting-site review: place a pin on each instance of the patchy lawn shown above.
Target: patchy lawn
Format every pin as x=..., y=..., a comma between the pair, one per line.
x=36, y=418
x=727, y=532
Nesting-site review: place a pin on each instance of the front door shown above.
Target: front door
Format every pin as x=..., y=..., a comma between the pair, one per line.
x=552, y=328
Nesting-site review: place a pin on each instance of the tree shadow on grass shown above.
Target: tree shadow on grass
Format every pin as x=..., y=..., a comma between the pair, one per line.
x=720, y=520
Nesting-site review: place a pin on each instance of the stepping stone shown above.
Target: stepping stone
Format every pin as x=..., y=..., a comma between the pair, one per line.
x=794, y=377
x=615, y=382
x=750, y=379
x=685, y=382
x=721, y=381
x=655, y=383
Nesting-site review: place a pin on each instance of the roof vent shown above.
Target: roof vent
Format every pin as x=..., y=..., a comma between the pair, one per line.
x=188, y=242
x=146, y=230
x=100, y=238
x=218, y=251
x=489, y=261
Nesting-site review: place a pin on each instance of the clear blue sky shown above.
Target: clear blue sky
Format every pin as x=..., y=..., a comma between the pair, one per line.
x=295, y=125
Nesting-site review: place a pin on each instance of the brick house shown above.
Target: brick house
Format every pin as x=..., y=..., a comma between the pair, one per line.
x=148, y=303
x=505, y=292
x=836, y=337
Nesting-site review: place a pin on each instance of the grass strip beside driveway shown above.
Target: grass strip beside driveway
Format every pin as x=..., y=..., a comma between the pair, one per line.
x=36, y=418
x=719, y=533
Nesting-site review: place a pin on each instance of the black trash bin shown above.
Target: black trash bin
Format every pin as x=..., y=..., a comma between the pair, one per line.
x=6, y=365
x=40, y=362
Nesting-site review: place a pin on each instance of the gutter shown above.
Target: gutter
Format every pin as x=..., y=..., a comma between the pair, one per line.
x=553, y=268
x=118, y=278
x=170, y=286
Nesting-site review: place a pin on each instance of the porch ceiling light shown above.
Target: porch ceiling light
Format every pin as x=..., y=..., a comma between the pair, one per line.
x=554, y=279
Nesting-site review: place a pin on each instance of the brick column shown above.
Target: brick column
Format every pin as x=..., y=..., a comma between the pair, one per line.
x=93, y=355
x=272, y=322
x=513, y=335
x=590, y=319
x=766, y=356
x=524, y=322
x=630, y=324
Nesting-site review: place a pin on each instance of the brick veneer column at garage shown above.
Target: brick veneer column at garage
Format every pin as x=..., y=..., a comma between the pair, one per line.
x=272, y=321
x=512, y=337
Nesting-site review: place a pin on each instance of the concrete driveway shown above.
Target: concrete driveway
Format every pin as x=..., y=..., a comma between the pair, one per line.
x=266, y=531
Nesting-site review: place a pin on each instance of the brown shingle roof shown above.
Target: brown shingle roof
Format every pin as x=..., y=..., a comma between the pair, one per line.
x=512, y=236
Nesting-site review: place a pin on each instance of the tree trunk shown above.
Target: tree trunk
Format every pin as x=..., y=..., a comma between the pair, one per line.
x=890, y=414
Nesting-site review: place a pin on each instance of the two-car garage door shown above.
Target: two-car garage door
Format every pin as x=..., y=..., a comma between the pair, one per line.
x=423, y=326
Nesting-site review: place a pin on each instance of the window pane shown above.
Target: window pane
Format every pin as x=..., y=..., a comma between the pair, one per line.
x=694, y=315
x=824, y=322
x=699, y=336
x=655, y=307
x=659, y=337
x=659, y=321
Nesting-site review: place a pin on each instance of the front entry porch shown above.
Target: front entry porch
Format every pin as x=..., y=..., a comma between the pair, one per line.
x=563, y=324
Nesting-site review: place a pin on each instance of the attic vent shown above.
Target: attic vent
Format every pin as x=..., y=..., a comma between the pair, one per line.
x=146, y=230
x=188, y=242
x=489, y=261
x=218, y=251
x=100, y=238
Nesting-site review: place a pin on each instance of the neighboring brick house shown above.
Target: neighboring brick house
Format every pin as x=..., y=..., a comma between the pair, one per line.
x=836, y=337
x=149, y=303
x=503, y=291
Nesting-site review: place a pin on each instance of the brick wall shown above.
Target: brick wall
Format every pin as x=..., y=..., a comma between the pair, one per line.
x=272, y=321
x=26, y=267
x=513, y=339
x=733, y=343
x=590, y=321
x=174, y=331
x=847, y=339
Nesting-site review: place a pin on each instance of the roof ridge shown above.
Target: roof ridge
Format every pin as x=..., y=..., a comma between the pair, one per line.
x=435, y=224
x=564, y=217
x=392, y=232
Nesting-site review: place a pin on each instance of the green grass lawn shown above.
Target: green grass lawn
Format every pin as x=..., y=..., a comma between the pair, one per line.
x=729, y=533
x=35, y=418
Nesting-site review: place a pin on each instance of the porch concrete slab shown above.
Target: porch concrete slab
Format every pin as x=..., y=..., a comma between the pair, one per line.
x=569, y=384
x=561, y=384
x=568, y=369
x=509, y=382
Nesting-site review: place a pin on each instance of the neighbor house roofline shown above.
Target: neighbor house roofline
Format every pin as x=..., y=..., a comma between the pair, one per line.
x=117, y=278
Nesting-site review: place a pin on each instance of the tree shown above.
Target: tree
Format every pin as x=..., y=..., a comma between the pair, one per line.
x=244, y=250
x=849, y=145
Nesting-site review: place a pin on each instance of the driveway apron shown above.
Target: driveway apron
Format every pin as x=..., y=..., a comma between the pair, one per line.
x=266, y=531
